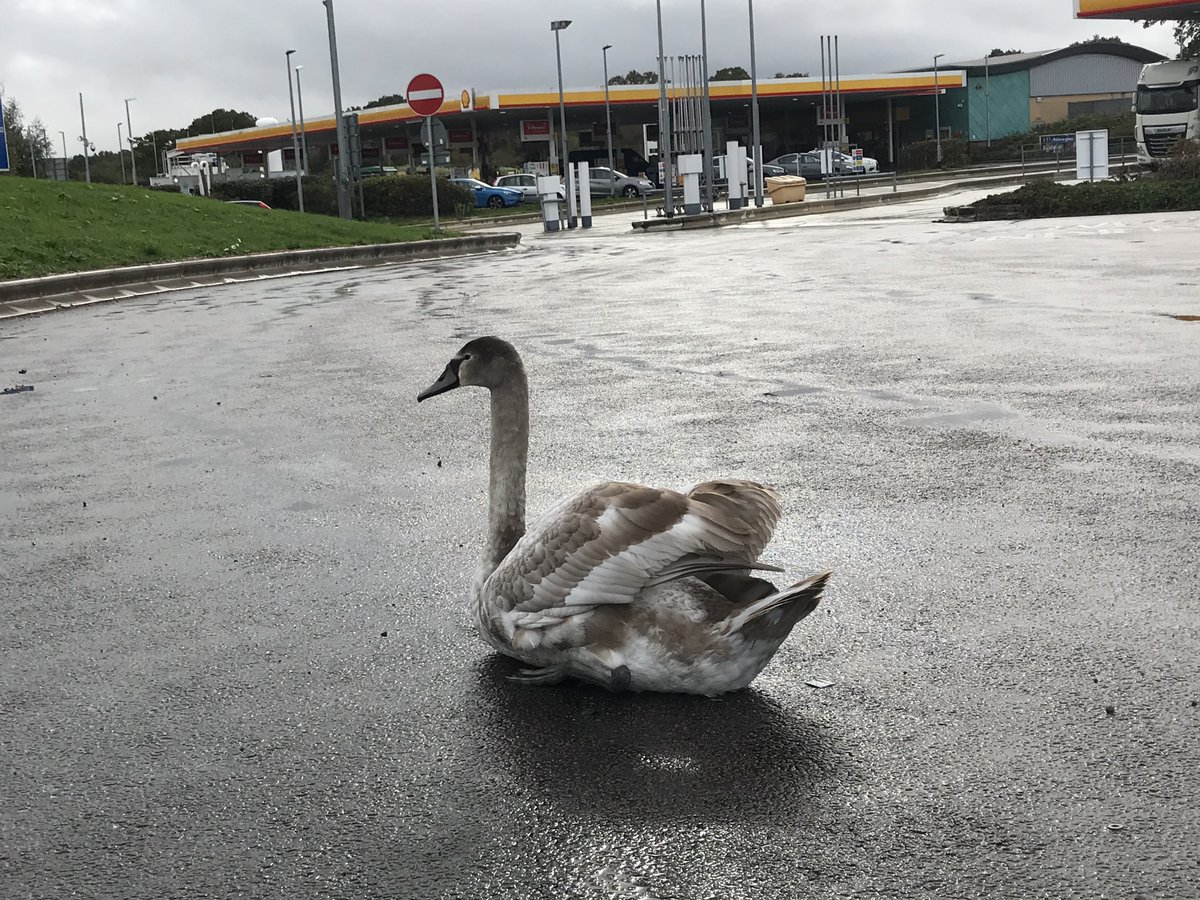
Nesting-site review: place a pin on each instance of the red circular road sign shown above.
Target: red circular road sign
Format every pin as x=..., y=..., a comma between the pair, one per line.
x=425, y=95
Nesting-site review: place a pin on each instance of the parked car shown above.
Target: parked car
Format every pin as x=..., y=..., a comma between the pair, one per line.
x=375, y=171
x=769, y=171
x=843, y=163
x=489, y=196
x=256, y=203
x=805, y=164
x=605, y=182
x=527, y=185
x=624, y=159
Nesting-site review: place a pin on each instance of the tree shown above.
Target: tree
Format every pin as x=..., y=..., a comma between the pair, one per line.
x=1098, y=39
x=1187, y=35
x=25, y=142
x=385, y=100
x=731, y=73
x=791, y=75
x=999, y=52
x=633, y=76
x=221, y=120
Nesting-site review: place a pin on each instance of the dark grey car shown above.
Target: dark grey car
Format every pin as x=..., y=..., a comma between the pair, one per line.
x=806, y=164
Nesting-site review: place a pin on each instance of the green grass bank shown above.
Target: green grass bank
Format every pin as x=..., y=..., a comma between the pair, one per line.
x=50, y=227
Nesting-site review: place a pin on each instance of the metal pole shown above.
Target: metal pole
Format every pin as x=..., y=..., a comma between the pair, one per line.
x=706, y=118
x=129, y=133
x=154, y=147
x=755, y=137
x=343, y=161
x=287, y=62
x=87, y=169
x=432, y=176
x=937, y=107
x=987, y=96
x=564, y=170
x=303, y=138
x=823, y=117
x=66, y=161
x=891, y=137
x=664, y=122
x=608, y=120
x=120, y=150
x=840, y=129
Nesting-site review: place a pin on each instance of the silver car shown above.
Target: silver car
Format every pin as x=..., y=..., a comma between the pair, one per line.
x=527, y=185
x=606, y=182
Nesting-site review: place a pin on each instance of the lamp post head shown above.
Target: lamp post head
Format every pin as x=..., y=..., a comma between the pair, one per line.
x=559, y=24
x=130, y=99
x=288, y=52
x=298, y=68
x=606, y=47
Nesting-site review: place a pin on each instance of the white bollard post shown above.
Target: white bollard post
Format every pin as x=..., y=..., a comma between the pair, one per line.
x=735, y=171
x=547, y=186
x=690, y=167
x=585, y=194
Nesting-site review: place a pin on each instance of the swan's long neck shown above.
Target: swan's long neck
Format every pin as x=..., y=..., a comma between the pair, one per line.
x=510, y=454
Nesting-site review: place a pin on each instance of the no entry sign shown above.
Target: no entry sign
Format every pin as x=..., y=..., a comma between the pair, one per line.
x=425, y=95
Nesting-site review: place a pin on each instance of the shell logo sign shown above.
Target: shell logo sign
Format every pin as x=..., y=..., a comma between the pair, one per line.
x=466, y=99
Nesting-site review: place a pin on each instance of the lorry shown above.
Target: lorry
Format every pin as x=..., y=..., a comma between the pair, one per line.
x=1166, y=107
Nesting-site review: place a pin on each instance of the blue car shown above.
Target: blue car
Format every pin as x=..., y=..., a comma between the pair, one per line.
x=486, y=195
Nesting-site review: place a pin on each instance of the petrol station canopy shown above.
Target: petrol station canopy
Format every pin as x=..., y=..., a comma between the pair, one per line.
x=1137, y=10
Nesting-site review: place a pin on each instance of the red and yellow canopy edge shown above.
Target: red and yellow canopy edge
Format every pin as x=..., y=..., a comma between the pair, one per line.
x=1135, y=9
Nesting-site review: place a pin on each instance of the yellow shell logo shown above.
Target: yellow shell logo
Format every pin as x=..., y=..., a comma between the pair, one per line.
x=465, y=99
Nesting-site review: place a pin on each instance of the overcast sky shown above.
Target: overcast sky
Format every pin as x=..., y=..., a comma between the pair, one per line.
x=183, y=59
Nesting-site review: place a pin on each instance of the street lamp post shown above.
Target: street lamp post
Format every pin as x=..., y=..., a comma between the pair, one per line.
x=343, y=141
x=563, y=169
x=664, y=121
x=66, y=161
x=612, y=189
x=755, y=137
x=987, y=96
x=87, y=168
x=121, y=150
x=303, y=139
x=287, y=58
x=129, y=134
x=937, y=108
x=706, y=118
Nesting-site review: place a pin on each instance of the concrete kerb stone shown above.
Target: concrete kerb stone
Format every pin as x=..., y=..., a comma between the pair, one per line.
x=813, y=207
x=18, y=294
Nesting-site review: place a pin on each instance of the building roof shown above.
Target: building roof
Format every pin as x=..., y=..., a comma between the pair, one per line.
x=1018, y=62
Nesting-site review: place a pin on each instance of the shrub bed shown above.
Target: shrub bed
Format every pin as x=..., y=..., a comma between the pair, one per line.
x=385, y=196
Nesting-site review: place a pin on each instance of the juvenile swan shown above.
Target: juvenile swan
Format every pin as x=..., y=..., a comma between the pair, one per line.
x=625, y=586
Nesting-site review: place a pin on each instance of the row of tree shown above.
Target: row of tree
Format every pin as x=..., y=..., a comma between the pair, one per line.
x=728, y=73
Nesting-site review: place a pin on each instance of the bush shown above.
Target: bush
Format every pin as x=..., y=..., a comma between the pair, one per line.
x=923, y=155
x=1183, y=161
x=1046, y=199
x=320, y=195
x=410, y=195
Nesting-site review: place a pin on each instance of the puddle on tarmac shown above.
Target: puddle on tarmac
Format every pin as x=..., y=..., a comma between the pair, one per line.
x=986, y=412
x=787, y=389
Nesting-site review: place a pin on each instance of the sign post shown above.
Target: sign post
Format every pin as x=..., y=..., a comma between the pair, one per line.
x=3, y=142
x=425, y=96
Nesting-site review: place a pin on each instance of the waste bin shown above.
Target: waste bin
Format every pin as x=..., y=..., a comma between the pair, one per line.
x=786, y=188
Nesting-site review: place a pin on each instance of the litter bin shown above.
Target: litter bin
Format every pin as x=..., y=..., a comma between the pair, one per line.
x=786, y=188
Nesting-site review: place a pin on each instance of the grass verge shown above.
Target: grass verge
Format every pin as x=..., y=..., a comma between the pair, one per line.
x=49, y=227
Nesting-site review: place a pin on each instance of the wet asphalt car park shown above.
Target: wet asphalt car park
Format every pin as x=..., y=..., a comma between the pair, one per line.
x=236, y=553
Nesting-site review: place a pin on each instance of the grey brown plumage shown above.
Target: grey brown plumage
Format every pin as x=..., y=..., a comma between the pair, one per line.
x=624, y=585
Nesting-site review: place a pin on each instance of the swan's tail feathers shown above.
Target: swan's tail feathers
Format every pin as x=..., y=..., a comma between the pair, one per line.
x=776, y=615
x=702, y=565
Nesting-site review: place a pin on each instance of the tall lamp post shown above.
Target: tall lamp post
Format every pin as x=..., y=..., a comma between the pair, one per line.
x=287, y=59
x=87, y=166
x=129, y=133
x=121, y=150
x=303, y=139
x=664, y=121
x=755, y=136
x=987, y=96
x=937, y=108
x=564, y=170
x=343, y=139
x=66, y=161
x=612, y=186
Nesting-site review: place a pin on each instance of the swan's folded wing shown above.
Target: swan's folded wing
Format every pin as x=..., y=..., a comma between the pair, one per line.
x=606, y=545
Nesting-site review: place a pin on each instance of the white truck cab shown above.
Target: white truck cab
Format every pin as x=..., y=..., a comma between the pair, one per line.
x=1167, y=107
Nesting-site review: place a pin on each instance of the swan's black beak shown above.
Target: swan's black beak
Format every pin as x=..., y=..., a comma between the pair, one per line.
x=448, y=381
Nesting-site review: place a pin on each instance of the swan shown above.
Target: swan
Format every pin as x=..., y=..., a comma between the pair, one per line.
x=629, y=587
